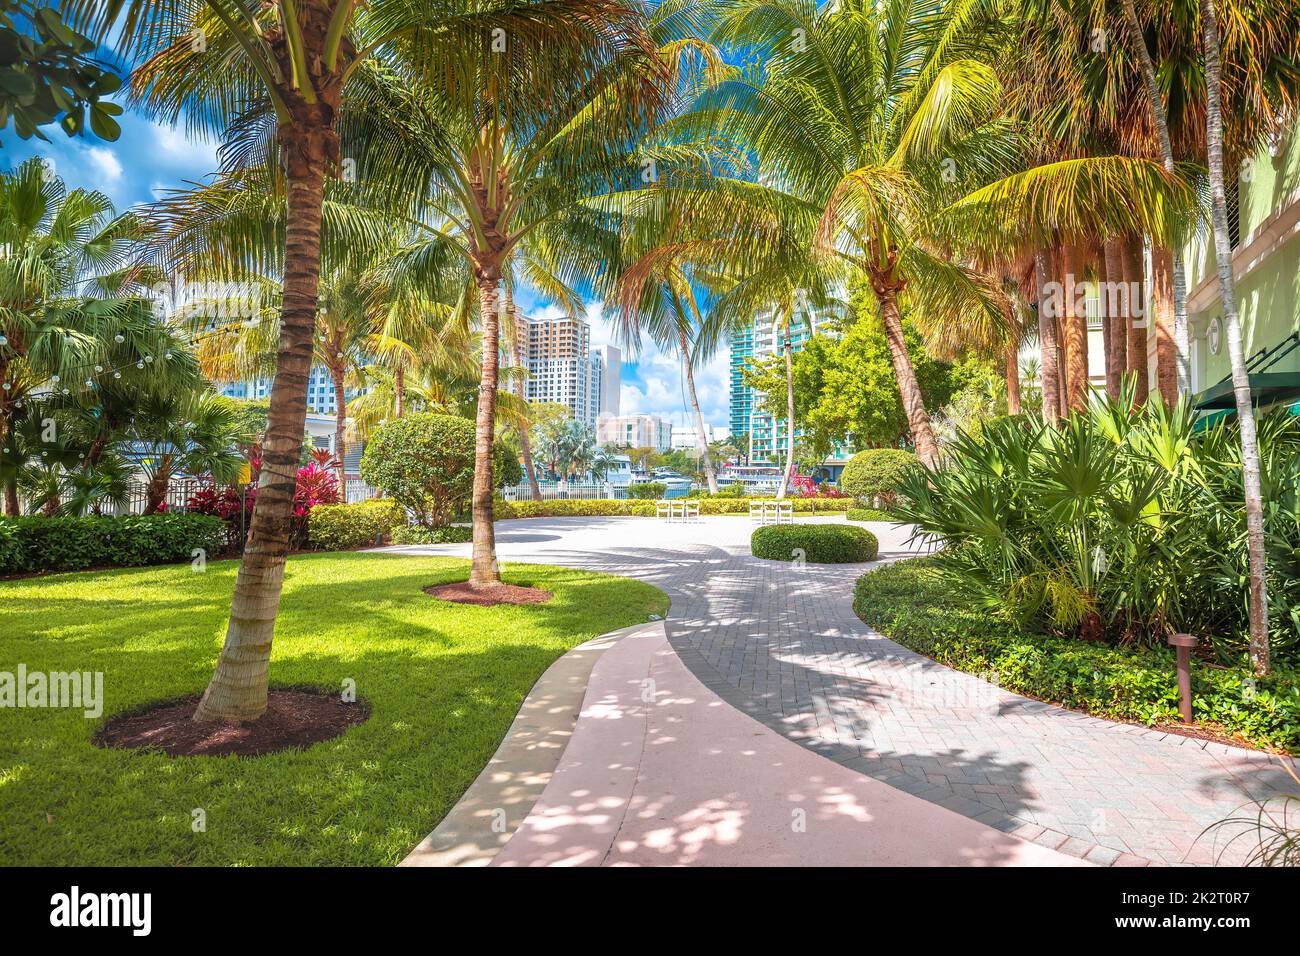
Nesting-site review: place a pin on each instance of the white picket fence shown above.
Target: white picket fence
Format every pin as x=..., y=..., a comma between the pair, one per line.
x=557, y=490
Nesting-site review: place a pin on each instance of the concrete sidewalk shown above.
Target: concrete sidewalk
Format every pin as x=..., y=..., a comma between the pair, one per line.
x=781, y=644
x=660, y=771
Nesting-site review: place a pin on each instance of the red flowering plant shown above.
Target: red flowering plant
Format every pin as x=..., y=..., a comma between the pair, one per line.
x=805, y=487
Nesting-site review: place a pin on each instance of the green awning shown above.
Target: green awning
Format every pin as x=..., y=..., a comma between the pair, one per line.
x=1266, y=388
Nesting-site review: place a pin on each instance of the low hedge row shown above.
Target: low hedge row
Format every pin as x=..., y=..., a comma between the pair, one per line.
x=911, y=603
x=416, y=534
x=70, y=544
x=869, y=514
x=817, y=543
x=600, y=507
x=340, y=527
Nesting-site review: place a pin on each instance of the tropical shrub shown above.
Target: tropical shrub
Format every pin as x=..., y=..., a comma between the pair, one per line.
x=416, y=534
x=424, y=462
x=818, y=543
x=874, y=476
x=338, y=527
x=647, y=490
x=734, y=490
x=71, y=544
x=1123, y=525
x=918, y=605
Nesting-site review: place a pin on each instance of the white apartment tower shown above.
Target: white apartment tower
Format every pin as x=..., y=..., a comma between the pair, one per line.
x=562, y=368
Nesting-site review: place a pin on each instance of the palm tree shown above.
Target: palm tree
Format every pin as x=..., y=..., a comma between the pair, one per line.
x=198, y=435
x=504, y=172
x=272, y=77
x=72, y=320
x=862, y=115
x=1259, y=640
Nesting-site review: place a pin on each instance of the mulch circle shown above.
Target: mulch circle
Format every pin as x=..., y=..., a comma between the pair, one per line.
x=294, y=718
x=462, y=593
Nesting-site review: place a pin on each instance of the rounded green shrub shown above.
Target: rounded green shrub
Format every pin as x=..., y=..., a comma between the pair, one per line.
x=647, y=489
x=874, y=476
x=815, y=543
x=425, y=463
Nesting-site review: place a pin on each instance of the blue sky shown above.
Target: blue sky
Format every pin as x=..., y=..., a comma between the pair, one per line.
x=150, y=158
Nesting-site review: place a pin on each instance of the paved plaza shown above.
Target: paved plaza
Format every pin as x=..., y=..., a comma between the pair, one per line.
x=781, y=644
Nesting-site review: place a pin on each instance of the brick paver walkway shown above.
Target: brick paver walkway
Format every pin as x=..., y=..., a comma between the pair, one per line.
x=782, y=643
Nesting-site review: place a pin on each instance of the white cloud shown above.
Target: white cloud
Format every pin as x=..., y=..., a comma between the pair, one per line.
x=184, y=150
x=104, y=163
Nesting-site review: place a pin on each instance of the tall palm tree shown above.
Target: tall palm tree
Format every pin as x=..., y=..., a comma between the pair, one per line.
x=1259, y=640
x=864, y=114
x=240, y=70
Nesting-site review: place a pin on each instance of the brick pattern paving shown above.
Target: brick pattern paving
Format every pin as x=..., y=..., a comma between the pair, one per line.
x=782, y=643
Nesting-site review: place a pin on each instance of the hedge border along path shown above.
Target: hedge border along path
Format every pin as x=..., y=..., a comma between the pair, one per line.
x=815, y=543
x=911, y=604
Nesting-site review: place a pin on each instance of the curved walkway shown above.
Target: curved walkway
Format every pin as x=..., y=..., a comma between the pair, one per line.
x=782, y=644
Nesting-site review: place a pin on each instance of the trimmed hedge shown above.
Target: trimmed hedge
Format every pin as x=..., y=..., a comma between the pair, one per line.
x=873, y=476
x=647, y=489
x=913, y=604
x=70, y=544
x=817, y=543
x=869, y=514
x=417, y=534
x=340, y=527
x=623, y=507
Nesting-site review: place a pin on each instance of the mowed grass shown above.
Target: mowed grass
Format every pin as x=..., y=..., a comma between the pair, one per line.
x=444, y=682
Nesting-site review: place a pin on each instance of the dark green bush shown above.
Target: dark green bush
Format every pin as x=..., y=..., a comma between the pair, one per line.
x=647, y=489
x=912, y=603
x=70, y=544
x=817, y=543
x=424, y=462
x=338, y=527
x=415, y=534
x=874, y=476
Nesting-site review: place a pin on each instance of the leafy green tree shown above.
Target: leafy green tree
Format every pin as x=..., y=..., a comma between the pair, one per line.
x=424, y=462
x=845, y=390
x=48, y=71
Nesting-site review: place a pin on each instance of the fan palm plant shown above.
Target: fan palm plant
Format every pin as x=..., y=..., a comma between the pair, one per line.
x=198, y=435
x=72, y=320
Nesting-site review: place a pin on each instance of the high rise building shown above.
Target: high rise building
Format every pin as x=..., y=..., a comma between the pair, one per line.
x=320, y=390
x=759, y=341
x=637, y=431
x=562, y=369
x=611, y=378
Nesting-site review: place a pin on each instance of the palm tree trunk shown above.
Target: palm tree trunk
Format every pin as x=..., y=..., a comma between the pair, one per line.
x=787, y=349
x=1259, y=641
x=1076, y=329
x=918, y=419
x=238, y=689
x=156, y=490
x=340, y=430
x=706, y=458
x=1013, y=378
x=11, y=499
x=399, y=389
x=1178, y=349
x=1112, y=313
x=1135, y=316
x=483, y=566
x=525, y=440
x=1162, y=308
x=1048, y=306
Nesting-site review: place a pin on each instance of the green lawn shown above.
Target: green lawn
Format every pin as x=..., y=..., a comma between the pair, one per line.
x=444, y=682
